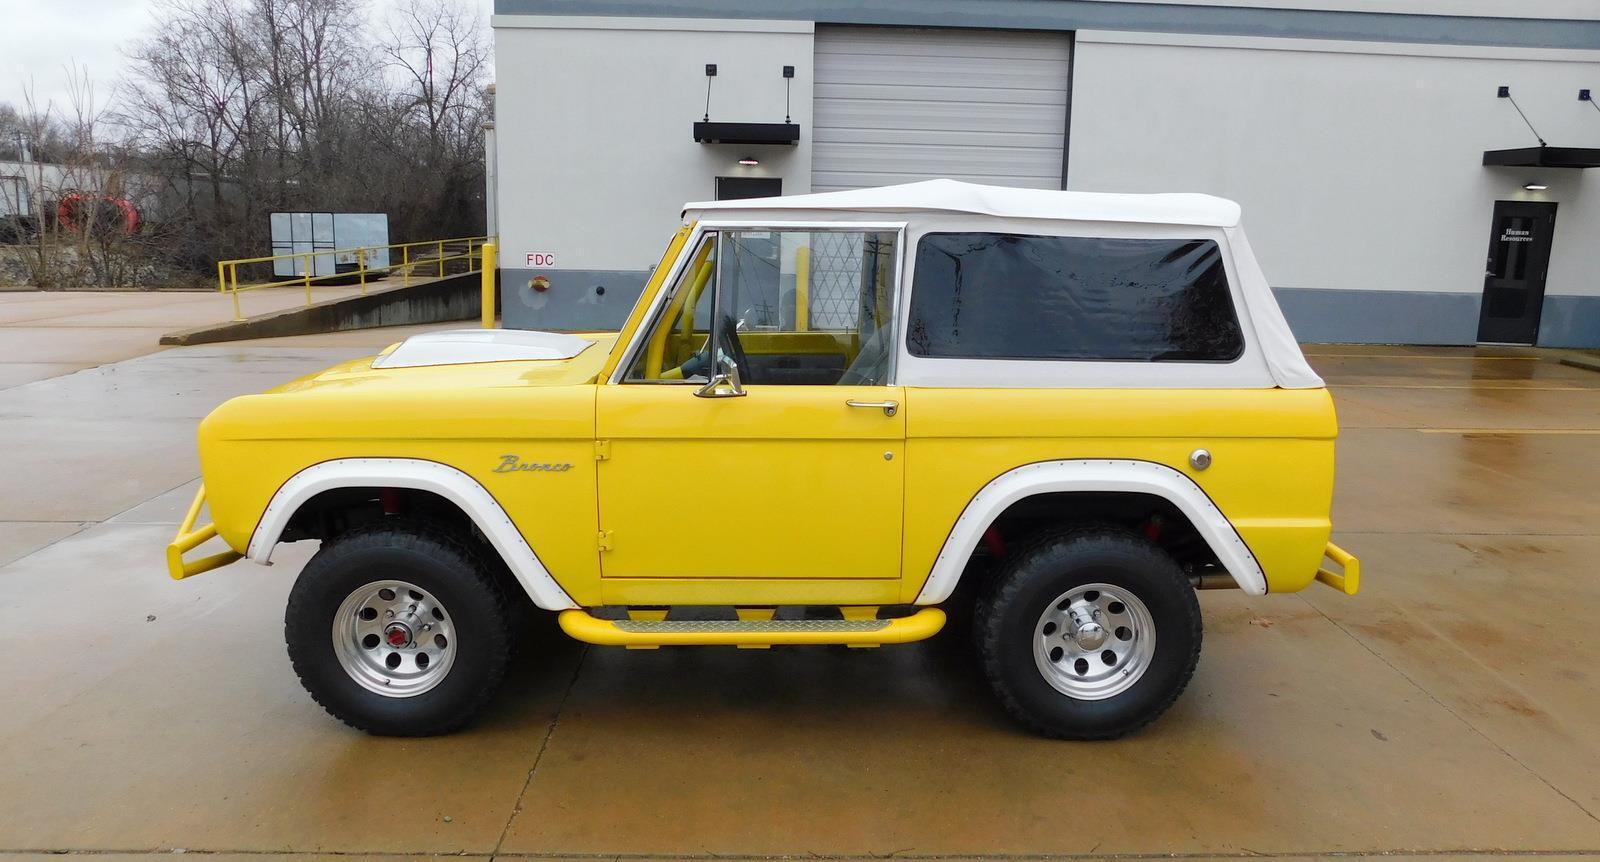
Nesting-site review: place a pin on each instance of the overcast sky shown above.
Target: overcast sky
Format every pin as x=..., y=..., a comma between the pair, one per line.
x=38, y=38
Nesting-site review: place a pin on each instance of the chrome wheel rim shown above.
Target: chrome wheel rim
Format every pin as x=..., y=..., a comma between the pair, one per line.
x=1094, y=642
x=394, y=638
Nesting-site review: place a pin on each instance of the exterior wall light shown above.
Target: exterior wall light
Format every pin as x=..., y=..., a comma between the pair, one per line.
x=1535, y=187
x=750, y=162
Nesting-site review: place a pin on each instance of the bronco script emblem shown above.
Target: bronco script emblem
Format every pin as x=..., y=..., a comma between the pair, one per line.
x=514, y=464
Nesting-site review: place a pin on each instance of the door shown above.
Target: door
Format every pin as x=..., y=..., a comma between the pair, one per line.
x=793, y=466
x=895, y=105
x=744, y=188
x=1519, y=260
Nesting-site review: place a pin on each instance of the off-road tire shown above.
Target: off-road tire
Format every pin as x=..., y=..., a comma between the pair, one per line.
x=1052, y=563
x=439, y=562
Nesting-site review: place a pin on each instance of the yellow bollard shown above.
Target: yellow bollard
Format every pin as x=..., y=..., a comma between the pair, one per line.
x=308, y=279
x=405, y=265
x=233, y=274
x=488, y=252
x=440, y=255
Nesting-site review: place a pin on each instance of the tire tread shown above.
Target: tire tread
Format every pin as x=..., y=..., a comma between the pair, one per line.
x=1004, y=587
x=426, y=539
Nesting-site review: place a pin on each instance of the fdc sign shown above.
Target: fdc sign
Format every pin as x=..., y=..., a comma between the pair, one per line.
x=542, y=258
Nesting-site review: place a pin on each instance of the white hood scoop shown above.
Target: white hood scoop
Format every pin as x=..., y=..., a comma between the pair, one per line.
x=467, y=346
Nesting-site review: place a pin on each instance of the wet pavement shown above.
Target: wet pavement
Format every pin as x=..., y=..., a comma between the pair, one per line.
x=1450, y=709
x=44, y=334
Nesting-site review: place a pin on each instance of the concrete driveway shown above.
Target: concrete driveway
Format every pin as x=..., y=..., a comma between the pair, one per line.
x=1451, y=709
x=44, y=334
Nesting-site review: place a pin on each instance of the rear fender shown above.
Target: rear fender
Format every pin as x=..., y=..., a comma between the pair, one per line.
x=1052, y=477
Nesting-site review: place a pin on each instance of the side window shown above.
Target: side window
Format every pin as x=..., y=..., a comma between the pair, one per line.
x=676, y=350
x=807, y=307
x=1010, y=296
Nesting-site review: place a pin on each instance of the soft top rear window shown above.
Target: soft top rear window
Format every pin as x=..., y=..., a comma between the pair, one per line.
x=1015, y=296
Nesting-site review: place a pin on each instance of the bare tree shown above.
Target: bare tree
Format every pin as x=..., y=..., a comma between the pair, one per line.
x=238, y=108
x=43, y=255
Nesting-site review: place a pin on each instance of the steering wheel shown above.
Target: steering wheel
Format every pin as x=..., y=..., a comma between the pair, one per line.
x=729, y=329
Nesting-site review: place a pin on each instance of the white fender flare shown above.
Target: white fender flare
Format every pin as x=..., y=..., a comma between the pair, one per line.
x=1048, y=477
x=448, y=482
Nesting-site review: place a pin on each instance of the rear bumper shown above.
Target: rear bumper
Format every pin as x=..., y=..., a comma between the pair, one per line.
x=1348, y=579
x=190, y=537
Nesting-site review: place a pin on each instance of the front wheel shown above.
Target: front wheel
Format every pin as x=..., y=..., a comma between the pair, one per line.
x=399, y=630
x=1088, y=633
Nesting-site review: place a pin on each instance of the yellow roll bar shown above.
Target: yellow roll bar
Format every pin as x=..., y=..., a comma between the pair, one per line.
x=655, y=351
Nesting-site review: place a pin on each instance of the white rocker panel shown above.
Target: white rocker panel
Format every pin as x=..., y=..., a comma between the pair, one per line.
x=447, y=482
x=1048, y=477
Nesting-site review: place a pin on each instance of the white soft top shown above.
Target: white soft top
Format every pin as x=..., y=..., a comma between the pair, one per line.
x=1274, y=359
x=960, y=197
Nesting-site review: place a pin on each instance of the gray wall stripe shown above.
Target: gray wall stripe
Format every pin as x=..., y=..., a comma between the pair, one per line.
x=1100, y=15
x=1314, y=314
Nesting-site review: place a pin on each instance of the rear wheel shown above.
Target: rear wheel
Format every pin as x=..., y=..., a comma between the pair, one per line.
x=1088, y=633
x=398, y=629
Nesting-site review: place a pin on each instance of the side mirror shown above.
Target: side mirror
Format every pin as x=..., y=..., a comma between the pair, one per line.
x=724, y=383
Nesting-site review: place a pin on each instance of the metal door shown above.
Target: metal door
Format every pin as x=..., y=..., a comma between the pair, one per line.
x=1513, y=282
x=895, y=105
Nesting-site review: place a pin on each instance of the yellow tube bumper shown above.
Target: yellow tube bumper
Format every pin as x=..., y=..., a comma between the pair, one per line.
x=190, y=537
x=1348, y=579
x=751, y=633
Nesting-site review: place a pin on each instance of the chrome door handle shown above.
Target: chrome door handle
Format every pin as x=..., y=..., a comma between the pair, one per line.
x=889, y=408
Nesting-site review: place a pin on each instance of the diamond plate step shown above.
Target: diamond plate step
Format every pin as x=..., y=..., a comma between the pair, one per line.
x=750, y=632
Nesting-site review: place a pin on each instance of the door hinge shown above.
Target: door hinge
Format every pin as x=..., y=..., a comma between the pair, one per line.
x=603, y=540
x=602, y=450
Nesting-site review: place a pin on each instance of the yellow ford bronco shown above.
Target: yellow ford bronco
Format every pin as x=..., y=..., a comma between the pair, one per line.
x=829, y=419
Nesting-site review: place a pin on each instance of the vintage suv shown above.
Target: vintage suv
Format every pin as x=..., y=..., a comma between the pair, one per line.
x=827, y=418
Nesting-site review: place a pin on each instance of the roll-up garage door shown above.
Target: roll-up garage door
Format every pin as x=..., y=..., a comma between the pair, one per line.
x=895, y=105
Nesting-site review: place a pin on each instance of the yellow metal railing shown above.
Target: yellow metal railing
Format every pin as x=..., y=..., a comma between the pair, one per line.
x=417, y=260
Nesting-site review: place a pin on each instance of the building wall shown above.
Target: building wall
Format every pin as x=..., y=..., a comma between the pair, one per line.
x=596, y=157
x=1355, y=146
x=1358, y=165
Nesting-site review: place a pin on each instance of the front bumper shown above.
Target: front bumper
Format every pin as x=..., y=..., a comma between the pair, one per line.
x=190, y=537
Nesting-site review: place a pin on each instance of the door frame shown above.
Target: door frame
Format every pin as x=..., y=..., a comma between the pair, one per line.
x=640, y=334
x=1544, y=208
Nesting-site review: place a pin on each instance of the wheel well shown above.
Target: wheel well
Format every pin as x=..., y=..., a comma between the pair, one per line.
x=329, y=514
x=336, y=511
x=1152, y=516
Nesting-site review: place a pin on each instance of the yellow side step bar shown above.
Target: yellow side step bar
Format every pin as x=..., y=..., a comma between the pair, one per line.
x=1348, y=580
x=749, y=632
x=189, y=537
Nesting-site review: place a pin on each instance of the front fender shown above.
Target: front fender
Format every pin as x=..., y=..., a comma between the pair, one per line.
x=413, y=473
